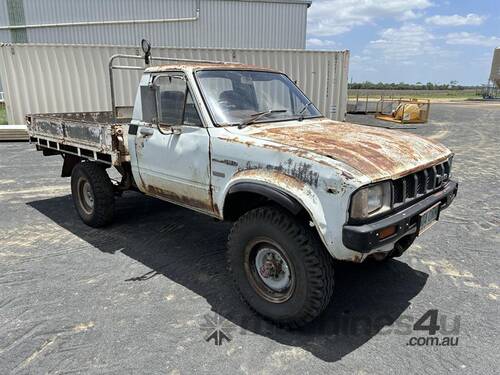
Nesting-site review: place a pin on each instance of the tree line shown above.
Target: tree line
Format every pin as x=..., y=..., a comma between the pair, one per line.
x=453, y=85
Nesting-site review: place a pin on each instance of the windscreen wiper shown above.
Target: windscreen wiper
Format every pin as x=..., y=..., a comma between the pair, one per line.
x=303, y=110
x=256, y=116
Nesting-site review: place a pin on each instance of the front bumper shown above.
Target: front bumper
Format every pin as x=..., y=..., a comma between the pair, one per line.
x=365, y=238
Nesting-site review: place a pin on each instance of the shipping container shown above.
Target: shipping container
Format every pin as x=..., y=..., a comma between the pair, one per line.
x=64, y=78
x=495, y=68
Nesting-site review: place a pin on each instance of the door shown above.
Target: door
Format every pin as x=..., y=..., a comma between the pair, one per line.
x=173, y=155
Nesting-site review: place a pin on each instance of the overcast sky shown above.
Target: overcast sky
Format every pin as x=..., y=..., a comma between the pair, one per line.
x=409, y=40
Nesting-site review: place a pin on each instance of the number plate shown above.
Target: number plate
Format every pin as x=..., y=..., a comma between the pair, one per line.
x=428, y=218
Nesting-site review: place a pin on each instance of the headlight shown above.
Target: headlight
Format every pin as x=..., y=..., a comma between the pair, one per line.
x=371, y=200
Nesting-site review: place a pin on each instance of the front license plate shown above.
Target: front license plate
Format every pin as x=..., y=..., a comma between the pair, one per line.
x=428, y=218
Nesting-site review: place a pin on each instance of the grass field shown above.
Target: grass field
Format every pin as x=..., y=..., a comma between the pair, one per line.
x=418, y=94
x=3, y=115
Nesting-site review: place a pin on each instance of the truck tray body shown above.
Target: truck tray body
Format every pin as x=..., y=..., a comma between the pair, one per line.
x=90, y=135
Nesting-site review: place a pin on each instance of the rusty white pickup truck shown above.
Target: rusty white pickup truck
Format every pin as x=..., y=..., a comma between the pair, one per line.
x=244, y=144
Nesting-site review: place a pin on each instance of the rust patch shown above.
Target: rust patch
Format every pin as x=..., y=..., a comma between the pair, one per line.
x=347, y=175
x=226, y=161
x=174, y=197
x=357, y=258
x=277, y=177
x=216, y=209
x=301, y=171
x=377, y=153
x=207, y=65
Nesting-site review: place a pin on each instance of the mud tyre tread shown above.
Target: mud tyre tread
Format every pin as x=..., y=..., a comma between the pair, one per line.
x=306, y=250
x=102, y=188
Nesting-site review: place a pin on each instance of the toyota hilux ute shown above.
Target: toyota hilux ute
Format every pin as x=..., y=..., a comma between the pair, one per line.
x=243, y=144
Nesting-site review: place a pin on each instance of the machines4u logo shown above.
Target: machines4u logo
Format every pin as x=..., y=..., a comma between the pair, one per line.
x=217, y=329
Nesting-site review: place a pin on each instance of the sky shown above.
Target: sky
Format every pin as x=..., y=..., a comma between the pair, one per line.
x=409, y=40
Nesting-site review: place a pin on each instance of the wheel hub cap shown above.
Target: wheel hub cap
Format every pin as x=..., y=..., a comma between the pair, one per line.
x=88, y=196
x=272, y=269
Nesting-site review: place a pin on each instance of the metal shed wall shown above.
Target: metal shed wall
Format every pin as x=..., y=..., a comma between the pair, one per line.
x=59, y=78
x=4, y=20
x=218, y=23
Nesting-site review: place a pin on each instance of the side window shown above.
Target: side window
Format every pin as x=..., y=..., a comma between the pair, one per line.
x=191, y=116
x=172, y=96
x=175, y=102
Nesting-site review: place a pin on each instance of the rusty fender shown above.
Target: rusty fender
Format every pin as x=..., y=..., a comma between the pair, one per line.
x=322, y=205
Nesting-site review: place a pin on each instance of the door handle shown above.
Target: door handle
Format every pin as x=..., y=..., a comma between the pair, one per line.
x=146, y=131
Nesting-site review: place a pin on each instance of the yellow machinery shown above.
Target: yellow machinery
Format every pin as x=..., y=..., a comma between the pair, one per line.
x=403, y=111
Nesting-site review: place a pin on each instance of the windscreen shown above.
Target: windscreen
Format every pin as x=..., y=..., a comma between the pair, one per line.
x=235, y=97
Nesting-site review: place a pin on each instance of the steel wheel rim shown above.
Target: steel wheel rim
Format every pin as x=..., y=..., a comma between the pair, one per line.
x=86, y=195
x=269, y=270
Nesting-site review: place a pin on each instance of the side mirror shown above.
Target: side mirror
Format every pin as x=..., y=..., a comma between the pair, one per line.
x=146, y=48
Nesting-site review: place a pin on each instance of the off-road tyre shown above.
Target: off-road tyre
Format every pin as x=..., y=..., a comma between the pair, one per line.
x=300, y=246
x=91, y=178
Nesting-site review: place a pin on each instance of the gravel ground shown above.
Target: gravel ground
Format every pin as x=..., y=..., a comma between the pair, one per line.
x=140, y=296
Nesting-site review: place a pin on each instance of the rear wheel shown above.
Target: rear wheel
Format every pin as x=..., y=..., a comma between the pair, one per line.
x=280, y=267
x=93, y=194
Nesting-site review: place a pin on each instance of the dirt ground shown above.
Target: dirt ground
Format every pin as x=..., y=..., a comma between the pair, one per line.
x=142, y=295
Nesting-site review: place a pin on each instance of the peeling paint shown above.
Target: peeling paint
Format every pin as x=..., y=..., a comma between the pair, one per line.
x=226, y=161
x=300, y=170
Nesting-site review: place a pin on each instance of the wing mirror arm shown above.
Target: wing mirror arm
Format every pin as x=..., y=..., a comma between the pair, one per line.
x=176, y=130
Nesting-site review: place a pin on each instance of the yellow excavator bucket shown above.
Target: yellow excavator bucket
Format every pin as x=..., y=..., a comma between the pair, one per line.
x=407, y=111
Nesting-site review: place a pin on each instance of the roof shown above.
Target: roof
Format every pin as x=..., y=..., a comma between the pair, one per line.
x=206, y=66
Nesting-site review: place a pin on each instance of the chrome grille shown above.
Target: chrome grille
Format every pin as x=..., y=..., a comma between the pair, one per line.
x=420, y=183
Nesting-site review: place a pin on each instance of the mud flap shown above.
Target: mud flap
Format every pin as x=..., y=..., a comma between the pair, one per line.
x=69, y=163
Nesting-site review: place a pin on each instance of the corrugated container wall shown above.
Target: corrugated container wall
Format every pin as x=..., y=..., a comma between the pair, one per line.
x=4, y=34
x=170, y=23
x=495, y=68
x=66, y=78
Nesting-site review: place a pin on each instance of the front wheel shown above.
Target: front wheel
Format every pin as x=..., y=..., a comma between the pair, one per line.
x=280, y=267
x=93, y=195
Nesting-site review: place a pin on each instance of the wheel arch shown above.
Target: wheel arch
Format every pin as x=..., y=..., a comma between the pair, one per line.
x=289, y=192
x=248, y=189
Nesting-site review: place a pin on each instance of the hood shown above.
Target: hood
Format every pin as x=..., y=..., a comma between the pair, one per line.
x=375, y=152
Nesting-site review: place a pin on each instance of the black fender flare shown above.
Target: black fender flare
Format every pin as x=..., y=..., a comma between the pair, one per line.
x=269, y=192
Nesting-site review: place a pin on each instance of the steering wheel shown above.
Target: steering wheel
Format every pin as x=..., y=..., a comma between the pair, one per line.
x=226, y=104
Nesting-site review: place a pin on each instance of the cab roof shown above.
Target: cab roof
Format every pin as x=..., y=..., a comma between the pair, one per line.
x=194, y=66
